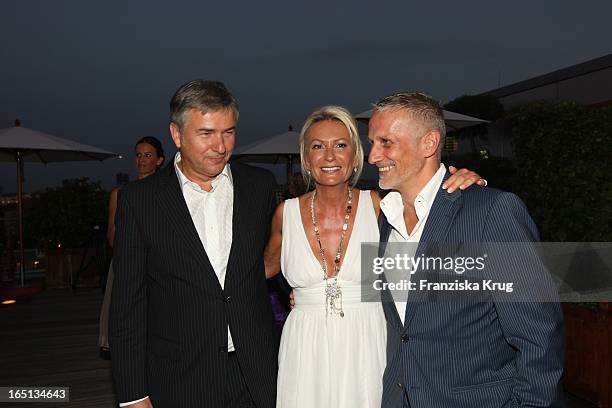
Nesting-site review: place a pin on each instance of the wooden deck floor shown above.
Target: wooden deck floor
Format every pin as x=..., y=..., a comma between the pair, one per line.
x=51, y=340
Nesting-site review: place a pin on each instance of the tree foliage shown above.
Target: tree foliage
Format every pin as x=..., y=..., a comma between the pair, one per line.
x=65, y=215
x=562, y=152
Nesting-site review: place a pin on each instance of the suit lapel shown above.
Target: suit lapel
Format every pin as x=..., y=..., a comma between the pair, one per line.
x=441, y=216
x=175, y=209
x=239, y=210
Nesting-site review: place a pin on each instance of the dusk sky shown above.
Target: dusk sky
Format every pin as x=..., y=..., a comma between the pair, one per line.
x=102, y=72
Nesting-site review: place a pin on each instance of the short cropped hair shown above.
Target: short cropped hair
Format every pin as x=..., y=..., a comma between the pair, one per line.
x=424, y=109
x=206, y=96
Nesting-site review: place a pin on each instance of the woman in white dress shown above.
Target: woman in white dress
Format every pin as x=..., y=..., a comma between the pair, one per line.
x=332, y=351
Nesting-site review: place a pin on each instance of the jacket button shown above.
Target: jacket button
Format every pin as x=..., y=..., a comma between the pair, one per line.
x=400, y=385
x=227, y=299
x=405, y=338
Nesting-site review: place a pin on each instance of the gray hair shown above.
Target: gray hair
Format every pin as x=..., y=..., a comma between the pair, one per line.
x=206, y=96
x=342, y=115
x=422, y=108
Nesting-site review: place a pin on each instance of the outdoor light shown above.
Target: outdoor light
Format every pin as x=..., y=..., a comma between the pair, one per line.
x=9, y=302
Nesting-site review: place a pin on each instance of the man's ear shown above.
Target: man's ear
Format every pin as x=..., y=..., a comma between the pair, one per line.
x=175, y=132
x=430, y=143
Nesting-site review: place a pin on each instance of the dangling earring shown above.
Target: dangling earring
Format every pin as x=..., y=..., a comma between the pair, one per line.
x=308, y=173
x=354, y=169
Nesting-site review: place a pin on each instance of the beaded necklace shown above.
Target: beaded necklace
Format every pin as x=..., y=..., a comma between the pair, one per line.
x=333, y=291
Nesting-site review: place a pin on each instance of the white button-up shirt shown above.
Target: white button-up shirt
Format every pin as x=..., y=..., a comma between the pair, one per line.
x=212, y=212
x=393, y=208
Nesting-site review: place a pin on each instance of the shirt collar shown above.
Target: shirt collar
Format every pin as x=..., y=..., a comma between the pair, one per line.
x=225, y=174
x=428, y=194
x=393, y=206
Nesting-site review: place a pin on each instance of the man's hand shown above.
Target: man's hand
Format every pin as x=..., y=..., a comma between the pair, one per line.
x=145, y=403
x=462, y=179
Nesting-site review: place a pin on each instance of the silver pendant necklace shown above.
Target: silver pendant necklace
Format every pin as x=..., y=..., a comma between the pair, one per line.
x=333, y=291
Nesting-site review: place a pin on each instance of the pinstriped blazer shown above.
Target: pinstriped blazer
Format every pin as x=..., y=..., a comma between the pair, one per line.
x=473, y=353
x=169, y=314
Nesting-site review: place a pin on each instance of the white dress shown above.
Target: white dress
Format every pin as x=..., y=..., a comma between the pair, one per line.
x=328, y=360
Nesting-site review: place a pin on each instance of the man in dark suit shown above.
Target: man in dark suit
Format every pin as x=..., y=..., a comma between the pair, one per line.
x=191, y=320
x=471, y=350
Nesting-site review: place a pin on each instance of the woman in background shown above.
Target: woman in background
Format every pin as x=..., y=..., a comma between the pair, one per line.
x=148, y=158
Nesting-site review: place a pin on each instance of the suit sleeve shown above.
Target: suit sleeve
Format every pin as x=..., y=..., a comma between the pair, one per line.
x=534, y=329
x=128, y=317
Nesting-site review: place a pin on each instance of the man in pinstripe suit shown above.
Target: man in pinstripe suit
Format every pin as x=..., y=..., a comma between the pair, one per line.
x=462, y=353
x=191, y=321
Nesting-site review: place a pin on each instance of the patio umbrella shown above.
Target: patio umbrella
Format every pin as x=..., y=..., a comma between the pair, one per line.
x=281, y=148
x=453, y=120
x=21, y=144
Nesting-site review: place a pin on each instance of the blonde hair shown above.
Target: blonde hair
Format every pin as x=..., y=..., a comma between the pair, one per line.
x=340, y=114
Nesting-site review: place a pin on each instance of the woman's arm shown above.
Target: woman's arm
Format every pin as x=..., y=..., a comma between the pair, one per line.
x=272, y=252
x=462, y=179
x=112, y=210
